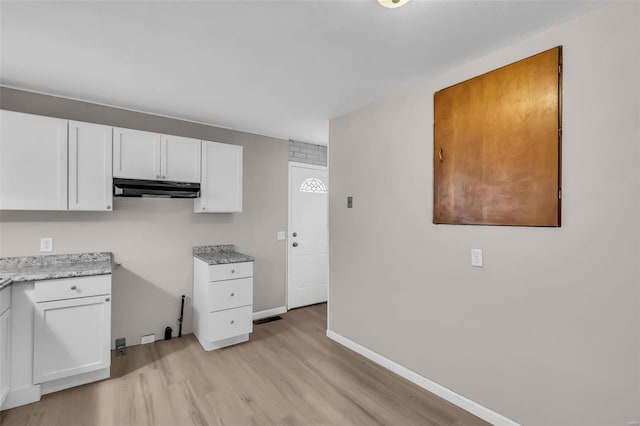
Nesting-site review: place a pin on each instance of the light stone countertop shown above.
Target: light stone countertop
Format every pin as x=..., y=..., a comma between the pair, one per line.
x=220, y=254
x=37, y=268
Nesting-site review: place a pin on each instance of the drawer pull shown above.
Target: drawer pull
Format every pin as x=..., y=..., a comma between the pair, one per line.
x=233, y=271
x=232, y=321
x=73, y=287
x=233, y=294
x=107, y=299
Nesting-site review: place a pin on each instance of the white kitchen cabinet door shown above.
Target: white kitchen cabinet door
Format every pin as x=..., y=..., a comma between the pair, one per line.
x=90, y=167
x=136, y=154
x=221, y=184
x=71, y=337
x=5, y=354
x=180, y=159
x=33, y=162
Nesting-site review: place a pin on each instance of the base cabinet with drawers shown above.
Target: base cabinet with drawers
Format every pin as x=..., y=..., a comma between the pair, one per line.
x=222, y=303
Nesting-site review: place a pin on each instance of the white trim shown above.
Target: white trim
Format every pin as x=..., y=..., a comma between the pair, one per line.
x=23, y=396
x=466, y=404
x=307, y=166
x=76, y=380
x=269, y=312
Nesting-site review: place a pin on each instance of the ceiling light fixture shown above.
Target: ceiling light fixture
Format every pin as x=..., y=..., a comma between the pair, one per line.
x=392, y=4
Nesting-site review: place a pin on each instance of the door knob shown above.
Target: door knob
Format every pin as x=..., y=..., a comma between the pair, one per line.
x=295, y=244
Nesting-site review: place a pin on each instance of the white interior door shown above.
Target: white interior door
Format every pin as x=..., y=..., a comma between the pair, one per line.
x=308, y=239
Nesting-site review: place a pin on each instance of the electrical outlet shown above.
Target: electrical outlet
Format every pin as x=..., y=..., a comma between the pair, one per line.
x=121, y=346
x=46, y=244
x=476, y=257
x=149, y=338
x=281, y=235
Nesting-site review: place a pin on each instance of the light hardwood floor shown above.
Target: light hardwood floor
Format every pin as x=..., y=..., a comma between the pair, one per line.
x=289, y=373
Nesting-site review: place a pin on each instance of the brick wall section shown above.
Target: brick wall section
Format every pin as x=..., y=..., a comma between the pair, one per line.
x=307, y=153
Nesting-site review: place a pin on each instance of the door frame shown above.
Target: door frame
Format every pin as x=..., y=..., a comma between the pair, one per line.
x=313, y=167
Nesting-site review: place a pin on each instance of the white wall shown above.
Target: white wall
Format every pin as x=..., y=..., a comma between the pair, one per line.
x=153, y=238
x=548, y=332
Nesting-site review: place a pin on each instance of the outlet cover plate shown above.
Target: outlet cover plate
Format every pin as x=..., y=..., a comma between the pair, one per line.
x=149, y=338
x=46, y=244
x=476, y=258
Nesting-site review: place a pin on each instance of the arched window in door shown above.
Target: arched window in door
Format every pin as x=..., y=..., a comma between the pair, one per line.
x=313, y=185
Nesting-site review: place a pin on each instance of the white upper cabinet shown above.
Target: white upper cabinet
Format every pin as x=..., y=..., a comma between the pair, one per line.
x=151, y=156
x=180, y=159
x=136, y=154
x=90, y=167
x=33, y=162
x=221, y=184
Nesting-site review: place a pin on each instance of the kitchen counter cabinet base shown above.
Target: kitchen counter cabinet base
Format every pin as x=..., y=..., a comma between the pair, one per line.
x=222, y=306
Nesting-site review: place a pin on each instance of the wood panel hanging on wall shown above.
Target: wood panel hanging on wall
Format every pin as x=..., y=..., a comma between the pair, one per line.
x=497, y=146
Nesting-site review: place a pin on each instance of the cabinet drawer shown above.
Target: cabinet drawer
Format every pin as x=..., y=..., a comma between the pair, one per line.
x=230, y=294
x=230, y=323
x=5, y=299
x=229, y=271
x=72, y=288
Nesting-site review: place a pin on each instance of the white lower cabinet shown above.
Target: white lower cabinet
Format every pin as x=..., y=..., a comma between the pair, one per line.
x=5, y=350
x=72, y=327
x=222, y=303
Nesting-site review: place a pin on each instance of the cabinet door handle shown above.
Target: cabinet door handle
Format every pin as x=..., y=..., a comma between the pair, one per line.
x=157, y=176
x=73, y=287
x=108, y=207
x=107, y=299
x=233, y=294
x=232, y=321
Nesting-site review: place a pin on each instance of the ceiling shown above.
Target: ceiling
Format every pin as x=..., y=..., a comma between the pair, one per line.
x=277, y=68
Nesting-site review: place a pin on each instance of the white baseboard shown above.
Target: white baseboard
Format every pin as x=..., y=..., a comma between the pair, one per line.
x=269, y=313
x=466, y=404
x=73, y=381
x=24, y=396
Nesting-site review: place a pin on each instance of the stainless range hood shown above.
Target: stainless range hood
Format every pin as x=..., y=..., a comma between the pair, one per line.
x=154, y=189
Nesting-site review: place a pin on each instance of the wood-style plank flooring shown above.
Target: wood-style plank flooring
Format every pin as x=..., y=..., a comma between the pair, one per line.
x=289, y=373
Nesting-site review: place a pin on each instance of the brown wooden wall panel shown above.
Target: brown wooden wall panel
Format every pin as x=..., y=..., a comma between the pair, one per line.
x=497, y=146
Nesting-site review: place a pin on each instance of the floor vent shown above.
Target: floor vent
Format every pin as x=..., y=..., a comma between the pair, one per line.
x=265, y=320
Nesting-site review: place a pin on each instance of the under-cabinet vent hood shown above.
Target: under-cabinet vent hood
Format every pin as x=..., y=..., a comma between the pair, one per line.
x=155, y=189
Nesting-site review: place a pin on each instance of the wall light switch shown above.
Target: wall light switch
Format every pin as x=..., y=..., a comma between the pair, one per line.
x=46, y=244
x=476, y=257
x=281, y=235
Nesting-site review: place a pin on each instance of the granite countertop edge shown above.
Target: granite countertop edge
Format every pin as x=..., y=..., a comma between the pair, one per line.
x=41, y=268
x=228, y=257
x=43, y=276
x=220, y=254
